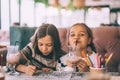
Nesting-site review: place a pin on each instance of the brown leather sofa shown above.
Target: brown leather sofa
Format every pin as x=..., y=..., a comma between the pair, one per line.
x=106, y=40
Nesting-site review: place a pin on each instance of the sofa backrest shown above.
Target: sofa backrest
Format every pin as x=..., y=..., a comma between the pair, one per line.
x=102, y=35
x=22, y=35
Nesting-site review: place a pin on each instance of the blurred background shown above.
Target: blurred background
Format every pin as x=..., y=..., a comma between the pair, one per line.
x=62, y=13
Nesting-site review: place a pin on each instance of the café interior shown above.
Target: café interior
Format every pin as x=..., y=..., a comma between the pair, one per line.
x=19, y=20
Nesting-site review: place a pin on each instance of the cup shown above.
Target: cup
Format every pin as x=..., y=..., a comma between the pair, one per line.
x=98, y=77
x=97, y=70
x=98, y=74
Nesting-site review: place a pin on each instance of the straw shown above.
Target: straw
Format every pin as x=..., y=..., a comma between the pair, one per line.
x=90, y=60
x=84, y=55
x=98, y=60
x=103, y=61
x=16, y=42
x=76, y=44
x=108, y=59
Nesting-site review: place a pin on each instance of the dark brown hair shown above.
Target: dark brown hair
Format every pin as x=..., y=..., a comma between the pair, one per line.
x=90, y=35
x=51, y=30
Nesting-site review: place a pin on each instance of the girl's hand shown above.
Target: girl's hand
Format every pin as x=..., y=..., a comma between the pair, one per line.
x=46, y=70
x=30, y=70
x=82, y=66
x=70, y=63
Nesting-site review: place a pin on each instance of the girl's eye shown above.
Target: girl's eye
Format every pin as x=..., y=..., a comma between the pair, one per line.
x=71, y=35
x=40, y=44
x=49, y=45
x=82, y=34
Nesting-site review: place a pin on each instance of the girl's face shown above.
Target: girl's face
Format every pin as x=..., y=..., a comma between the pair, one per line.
x=45, y=45
x=79, y=33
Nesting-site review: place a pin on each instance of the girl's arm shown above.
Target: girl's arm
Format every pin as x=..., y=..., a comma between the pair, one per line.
x=30, y=70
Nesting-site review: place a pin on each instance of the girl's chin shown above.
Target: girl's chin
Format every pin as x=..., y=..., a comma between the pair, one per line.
x=76, y=46
x=46, y=54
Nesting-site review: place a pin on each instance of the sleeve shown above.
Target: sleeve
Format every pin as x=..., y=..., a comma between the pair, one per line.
x=25, y=55
x=61, y=64
x=93, y=59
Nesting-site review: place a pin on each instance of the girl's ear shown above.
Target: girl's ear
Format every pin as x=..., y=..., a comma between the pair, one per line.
x=89, y=40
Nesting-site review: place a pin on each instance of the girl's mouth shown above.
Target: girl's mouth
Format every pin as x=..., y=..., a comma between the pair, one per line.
x=77, y=42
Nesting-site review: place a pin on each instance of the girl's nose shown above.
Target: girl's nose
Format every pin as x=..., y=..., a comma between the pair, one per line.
x=44, y=48
x=76, y=36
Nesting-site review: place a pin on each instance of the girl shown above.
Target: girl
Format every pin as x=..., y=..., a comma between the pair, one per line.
x=80, y=39
x=42, y=52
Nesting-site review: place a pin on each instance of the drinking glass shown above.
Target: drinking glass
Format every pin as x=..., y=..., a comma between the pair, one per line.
x=12, y=58
x=73, y=52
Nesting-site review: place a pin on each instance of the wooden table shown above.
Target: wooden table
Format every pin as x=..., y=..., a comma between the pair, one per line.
x=54, y=76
